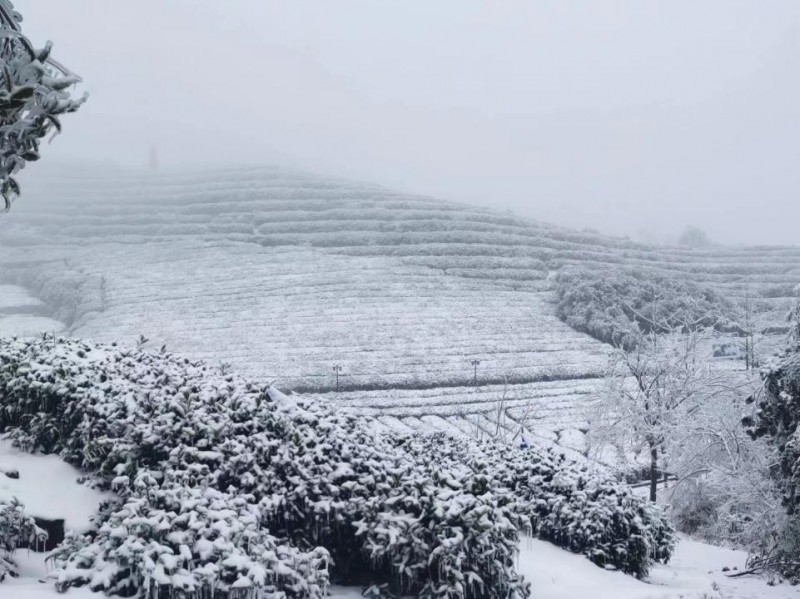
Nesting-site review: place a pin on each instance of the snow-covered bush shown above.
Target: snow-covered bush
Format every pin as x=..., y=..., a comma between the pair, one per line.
x=170, y=538
x=619, y=305
x=563, y=502
x=224, y=486
x=16, y=530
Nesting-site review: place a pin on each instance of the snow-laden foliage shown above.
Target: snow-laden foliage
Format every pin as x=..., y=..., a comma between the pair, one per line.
x=189, y=540
x=564, y=502
x=16, y=530
x=224, y=487
x=777, y=420
x=724, y=492
x=34, y=93
x=619, y=306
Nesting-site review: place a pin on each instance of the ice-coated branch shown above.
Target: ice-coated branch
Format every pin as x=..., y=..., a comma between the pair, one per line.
x=35, y=91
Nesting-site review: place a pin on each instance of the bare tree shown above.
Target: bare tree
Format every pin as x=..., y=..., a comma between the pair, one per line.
x=724, y=489
x=652, y=390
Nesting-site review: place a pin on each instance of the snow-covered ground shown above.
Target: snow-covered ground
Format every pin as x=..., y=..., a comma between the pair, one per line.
x=695, y=572
x=49, y=488
x=21, y=314
x=14, y=296
x=22, y=325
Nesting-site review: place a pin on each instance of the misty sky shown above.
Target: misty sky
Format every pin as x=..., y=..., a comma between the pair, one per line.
x=633, y=118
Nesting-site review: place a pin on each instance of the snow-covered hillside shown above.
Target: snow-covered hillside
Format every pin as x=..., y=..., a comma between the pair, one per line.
x=286, y=275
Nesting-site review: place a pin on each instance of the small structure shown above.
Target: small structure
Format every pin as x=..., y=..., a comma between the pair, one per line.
x=727, y=350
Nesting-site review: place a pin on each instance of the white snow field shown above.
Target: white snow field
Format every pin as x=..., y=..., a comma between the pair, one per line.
x=285, y=275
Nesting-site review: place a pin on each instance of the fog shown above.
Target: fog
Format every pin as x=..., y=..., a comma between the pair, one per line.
x=633, y=118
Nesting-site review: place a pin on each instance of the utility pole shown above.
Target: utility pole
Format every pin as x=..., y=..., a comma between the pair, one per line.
x=475, y=364
x=337, y=369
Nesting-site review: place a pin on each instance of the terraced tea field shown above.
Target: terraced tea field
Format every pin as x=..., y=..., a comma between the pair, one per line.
x=286, y=275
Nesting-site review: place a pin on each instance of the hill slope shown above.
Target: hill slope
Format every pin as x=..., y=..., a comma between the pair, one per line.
x=265, y=266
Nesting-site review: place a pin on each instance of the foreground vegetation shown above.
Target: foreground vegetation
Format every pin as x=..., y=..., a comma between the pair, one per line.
x=225, y=485
x=777, y=420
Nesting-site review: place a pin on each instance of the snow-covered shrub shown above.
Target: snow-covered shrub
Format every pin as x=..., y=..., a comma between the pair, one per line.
x=619, y=305
x=16, y=530
x=278, y=489
x=563, y=502
x=197, y=541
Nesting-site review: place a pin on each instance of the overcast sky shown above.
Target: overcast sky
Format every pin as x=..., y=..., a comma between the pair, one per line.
x=635, y=118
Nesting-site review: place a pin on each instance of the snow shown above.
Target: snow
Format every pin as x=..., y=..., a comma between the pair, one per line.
x=48, y=487
x=338, y=592
x=280, y=275
x=695, y=572
x=31, y=588
x=558, y=574
x=13, y=296
x=21, y=314
x=698, y=565
x=285, y=274
x=24, y=325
